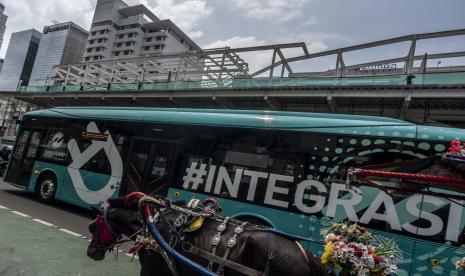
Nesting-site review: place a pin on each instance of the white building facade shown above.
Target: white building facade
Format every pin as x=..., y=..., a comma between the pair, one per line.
x=120, y=31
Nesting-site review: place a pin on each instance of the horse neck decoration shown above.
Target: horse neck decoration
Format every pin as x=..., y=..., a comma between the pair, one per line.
x=249, y=249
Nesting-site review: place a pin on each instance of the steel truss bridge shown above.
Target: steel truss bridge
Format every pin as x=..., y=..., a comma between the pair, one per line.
x=225, y=78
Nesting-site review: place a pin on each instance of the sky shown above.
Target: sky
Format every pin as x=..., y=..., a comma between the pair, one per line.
x=321, y=24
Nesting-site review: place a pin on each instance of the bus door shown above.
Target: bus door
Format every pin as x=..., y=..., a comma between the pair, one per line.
x=23, y=157
x=149, y=167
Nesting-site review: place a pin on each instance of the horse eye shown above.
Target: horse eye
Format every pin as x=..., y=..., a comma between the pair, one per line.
x=92, y=227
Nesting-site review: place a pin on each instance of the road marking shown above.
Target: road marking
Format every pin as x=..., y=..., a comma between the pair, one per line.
x=21, y=214
x=56, y=227
x=70, y=232
x=132, y=255
x=44, y=222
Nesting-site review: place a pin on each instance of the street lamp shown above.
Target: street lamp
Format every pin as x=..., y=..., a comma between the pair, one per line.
x=437, y=63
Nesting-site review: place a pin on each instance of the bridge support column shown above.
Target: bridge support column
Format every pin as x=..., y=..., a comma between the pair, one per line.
x=273, y=103
x=331, y=104
x=404, y=107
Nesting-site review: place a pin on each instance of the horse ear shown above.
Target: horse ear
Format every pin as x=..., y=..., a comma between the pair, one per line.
x=97, y=211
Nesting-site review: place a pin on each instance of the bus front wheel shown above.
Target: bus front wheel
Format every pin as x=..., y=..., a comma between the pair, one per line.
x=46, y=189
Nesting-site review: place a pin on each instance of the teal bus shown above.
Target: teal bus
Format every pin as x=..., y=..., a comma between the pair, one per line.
x=283, y=169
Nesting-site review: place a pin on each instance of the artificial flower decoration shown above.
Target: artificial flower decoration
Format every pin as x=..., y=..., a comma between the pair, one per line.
x=349, y=249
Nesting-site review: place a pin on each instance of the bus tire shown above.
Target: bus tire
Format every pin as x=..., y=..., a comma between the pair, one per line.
x=46, y=188
x=254, y=220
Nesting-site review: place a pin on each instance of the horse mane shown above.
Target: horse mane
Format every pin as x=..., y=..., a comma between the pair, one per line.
x=116, y=202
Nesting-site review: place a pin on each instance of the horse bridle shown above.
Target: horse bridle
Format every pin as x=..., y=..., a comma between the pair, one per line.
x=105, y=237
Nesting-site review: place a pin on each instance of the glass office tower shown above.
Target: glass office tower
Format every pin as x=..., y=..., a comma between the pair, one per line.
x=19, y=59
x=3, y=19
x=61, y=44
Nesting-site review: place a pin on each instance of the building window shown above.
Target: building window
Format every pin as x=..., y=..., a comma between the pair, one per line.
x=95, y=57
x=121, y=36
x=87, y=58
x=159, y=38
x=157, y=47
x=132, y=26
x=97, y=49
x=91, y=41
x=147, y=48
x=130, y=34
x=94, y=33
x=119, y=44
x=148, y=39
x=89, y=50
x=102, y=31
x=116, y=53
x=128, y=43
x=100, y=40
x=126, y=52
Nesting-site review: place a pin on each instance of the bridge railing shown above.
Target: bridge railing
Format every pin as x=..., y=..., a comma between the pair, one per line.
x=257, y=83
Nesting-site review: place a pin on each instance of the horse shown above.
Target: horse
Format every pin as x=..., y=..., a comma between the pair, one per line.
x=266, y=252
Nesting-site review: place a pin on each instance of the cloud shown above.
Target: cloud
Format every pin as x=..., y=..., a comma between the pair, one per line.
x=236, y=42
x=310, y=21
x=186, y=15
x=280, y=10
x=27, y=14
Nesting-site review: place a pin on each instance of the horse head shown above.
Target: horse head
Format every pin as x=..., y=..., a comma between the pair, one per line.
x=120, y=217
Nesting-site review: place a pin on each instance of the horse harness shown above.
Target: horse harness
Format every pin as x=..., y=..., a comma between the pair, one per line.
x=191, y=219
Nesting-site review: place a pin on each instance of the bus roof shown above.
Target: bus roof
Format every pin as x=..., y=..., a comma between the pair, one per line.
x=279, y=120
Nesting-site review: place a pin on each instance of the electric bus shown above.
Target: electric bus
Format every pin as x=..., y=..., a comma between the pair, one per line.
x=282, y=169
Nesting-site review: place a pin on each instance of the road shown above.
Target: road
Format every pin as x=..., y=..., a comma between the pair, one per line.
x=61, y=214
x=40, y=239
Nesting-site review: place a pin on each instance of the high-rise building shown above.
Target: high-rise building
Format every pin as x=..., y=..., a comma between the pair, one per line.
x=19, y=59
x=122, y=31
x=3, y=19
x=61, y=44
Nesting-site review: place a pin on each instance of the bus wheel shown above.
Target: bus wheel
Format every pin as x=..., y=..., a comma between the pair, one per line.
x=46, y=189
x=254, y=220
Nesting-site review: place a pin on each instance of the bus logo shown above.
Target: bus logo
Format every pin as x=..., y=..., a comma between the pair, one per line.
x=57, y=140
x=80, y=158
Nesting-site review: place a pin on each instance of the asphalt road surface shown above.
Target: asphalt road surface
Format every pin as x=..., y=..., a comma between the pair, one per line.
x=61, y=214
x=39, y=239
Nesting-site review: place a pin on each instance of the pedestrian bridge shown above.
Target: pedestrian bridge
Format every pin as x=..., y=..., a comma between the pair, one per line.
x=422, y=98
x=411, y=86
